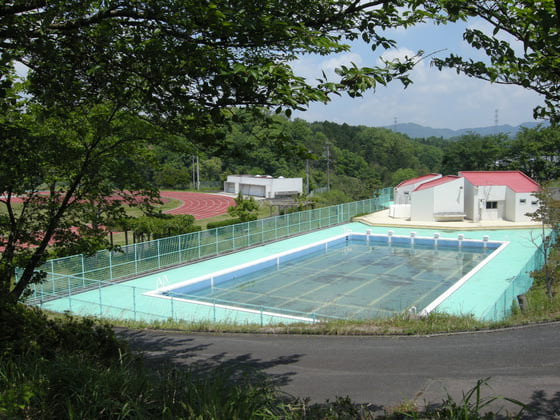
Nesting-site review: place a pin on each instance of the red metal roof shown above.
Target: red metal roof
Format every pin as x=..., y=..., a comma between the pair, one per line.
x=517, y=181
x=417, y=179
x=439, y=181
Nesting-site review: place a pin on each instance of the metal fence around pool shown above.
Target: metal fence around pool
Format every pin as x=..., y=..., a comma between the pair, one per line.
x=519, y=284
x=77, y=273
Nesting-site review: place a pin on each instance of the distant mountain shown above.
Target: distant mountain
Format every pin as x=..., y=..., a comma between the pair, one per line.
x=419, y=131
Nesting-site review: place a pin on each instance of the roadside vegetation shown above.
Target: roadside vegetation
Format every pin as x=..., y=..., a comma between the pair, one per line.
x=65, y=368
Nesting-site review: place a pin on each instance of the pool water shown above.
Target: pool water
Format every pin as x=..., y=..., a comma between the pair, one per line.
x=351, y=279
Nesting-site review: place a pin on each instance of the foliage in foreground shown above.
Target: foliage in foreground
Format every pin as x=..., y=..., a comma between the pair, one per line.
x=77, y=369
x=65, y=368
x=70, y=386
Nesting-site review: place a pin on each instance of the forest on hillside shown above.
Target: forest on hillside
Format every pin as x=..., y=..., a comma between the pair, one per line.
x=353, y=160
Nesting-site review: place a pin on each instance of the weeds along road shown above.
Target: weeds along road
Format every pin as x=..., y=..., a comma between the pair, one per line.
x=523, y=363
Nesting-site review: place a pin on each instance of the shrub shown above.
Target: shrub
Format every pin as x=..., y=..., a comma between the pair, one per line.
x=222, y=223
x=26, y=330
x=72, y=386
x=163, y=226
x=245, y=209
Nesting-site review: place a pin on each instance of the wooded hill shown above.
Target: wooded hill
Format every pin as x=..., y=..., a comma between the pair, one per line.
x=356, y=159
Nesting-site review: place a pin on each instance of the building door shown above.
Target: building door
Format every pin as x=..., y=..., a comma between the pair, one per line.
x=254, y=190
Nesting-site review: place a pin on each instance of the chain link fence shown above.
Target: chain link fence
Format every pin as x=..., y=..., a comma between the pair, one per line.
x=520, y=284
x=79, y=273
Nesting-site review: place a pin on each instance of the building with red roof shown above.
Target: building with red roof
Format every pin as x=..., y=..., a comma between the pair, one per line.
x=438, y=200
x=476, y=195
x=402, y=191
x=495, y=195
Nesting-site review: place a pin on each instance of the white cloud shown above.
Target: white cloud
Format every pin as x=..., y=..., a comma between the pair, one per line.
x=441, y=99
x=397, y=54
x=312, y=67
x=345, y=59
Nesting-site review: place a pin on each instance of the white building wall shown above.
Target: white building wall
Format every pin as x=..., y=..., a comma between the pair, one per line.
x=470, y=200
x=399, y=211
x=511, y=203
x=492, y=193
x=422, y=205
x=449, y=197
x=533, y=204
x=402, y=194
x=286, y=185
x=519, y=204
x=231, y=187
x=262, y=186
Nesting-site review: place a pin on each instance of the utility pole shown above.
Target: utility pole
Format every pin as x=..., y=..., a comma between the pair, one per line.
x=197, y=173
x=193, y=171
x=307, y=176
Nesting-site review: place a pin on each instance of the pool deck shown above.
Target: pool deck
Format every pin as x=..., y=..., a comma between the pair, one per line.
x=382, y=218
x=129, y=300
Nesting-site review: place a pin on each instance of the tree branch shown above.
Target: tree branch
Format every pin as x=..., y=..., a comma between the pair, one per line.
x=21, y=8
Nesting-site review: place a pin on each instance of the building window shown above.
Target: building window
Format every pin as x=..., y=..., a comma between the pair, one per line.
x=491, y=204
x=522, y=201
x=534, y=203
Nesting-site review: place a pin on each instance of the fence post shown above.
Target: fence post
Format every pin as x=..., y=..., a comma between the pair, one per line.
x=83, y=271
x=135, y=258
x=248, y=233
x=262, y=230
x=214, y=306
x=110, y=266
x=158, y=256
x=172, y=311
x=199, y=244
x=52, y=277
x=100, y=304
x=217, y=249
x=180, y=259
x=339, y=209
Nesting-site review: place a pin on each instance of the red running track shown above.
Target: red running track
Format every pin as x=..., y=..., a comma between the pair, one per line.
x=200, y=205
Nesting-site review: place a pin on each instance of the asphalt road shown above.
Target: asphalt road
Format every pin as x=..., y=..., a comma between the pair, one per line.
x=522, y=363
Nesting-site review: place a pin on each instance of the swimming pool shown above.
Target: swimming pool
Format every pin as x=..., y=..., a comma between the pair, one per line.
x=349, y=276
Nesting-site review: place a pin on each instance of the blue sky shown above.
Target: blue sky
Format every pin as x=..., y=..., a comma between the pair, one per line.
x=439, y=99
